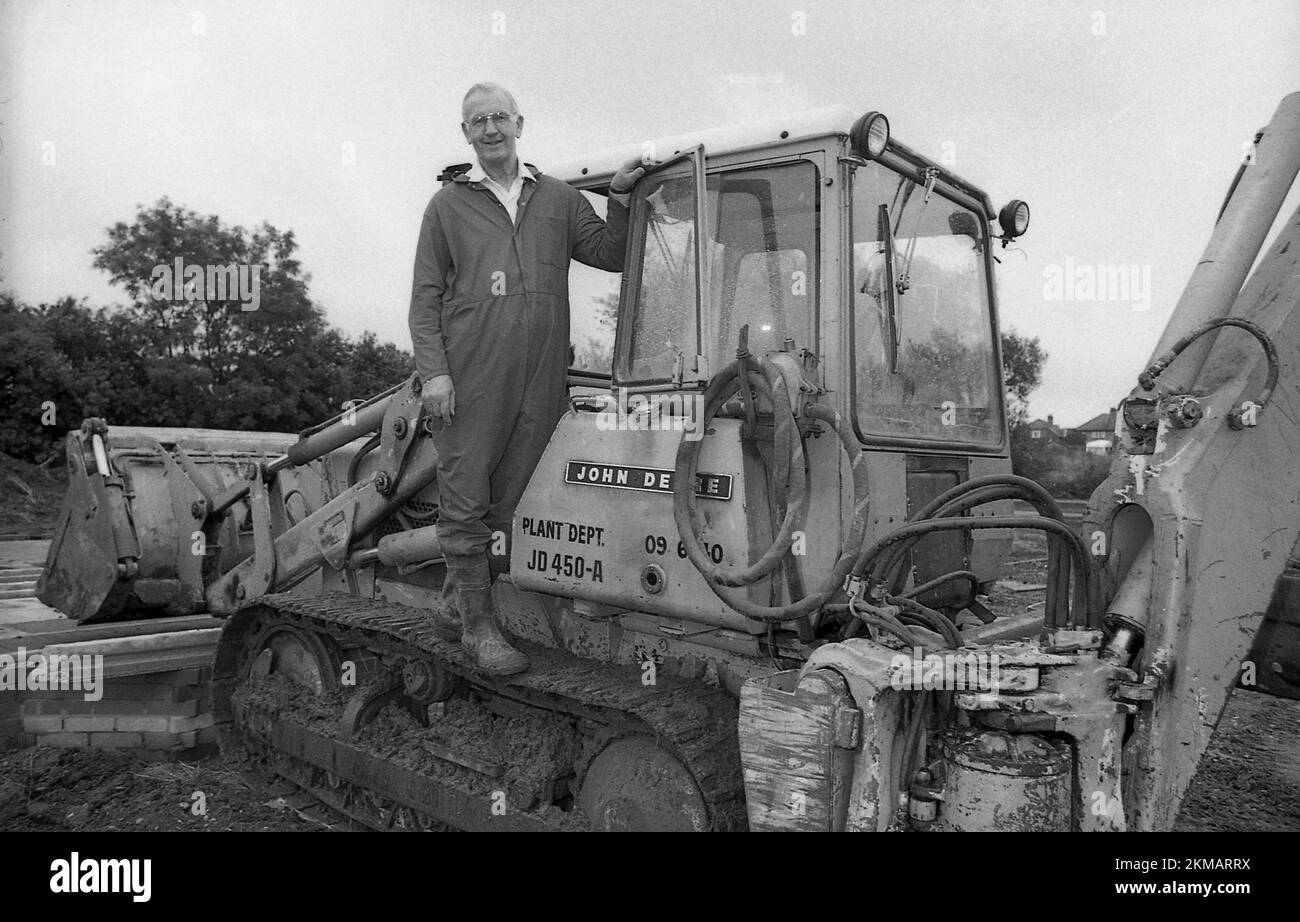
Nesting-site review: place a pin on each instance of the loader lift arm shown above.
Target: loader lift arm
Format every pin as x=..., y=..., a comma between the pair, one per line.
x=407, y=462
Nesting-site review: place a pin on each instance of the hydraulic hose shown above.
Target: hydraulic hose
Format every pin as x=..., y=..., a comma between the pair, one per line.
x=861, y=613
x=720, y=389
x=1147, y=380
x=1041, y=496
x=355, y=464
x=1084, y=588
x=943, y=581
x=786, y=435
x=1065, y=547
x=912, y=611
x=974, y=493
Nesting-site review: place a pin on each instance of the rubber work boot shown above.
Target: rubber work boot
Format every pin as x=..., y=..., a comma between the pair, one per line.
x=471, y=577
x=445, y=617
x=481, y=637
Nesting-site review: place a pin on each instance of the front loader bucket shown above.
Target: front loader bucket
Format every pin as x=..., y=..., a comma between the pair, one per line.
x=131, y=540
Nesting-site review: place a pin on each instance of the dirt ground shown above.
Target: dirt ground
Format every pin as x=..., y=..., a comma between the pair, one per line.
x=85, y=790
x=1249, y=780
x=1024, y=567
x=30, y=497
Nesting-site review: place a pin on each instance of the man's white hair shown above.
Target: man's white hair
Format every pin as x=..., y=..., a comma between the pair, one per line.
x=488, y=88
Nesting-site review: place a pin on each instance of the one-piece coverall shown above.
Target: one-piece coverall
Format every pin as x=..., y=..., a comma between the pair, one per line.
x=490, y=308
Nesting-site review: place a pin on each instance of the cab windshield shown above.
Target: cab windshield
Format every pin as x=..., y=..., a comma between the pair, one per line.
x=924, y=363
x=762, y=253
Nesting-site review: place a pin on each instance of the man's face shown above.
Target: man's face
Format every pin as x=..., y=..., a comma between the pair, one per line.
x=493, y=141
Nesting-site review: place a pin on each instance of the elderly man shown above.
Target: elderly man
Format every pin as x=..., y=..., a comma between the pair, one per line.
x=490, y=325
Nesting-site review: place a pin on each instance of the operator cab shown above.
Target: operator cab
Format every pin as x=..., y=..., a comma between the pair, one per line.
x=847, y=257
x=846, y=246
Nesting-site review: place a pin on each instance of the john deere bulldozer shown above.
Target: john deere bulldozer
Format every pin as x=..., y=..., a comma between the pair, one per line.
x=750, y=569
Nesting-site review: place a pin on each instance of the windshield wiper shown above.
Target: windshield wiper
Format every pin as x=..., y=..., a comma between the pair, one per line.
x=931, y=174
x=890, y=330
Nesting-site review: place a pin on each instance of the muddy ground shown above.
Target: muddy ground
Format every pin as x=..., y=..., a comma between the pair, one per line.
x=85, y=790
x=1250, y=779
x=1024, y=571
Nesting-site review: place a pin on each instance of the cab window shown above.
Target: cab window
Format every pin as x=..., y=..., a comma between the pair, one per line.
x=924, y=363
x=763, y=257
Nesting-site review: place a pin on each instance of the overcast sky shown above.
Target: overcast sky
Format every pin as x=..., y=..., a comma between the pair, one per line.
x=1120, y=123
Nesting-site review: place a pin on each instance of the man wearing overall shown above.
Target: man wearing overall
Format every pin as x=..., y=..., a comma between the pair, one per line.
x=490, y=326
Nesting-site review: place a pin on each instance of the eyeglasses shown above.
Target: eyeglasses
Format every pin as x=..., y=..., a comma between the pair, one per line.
x=478, y=124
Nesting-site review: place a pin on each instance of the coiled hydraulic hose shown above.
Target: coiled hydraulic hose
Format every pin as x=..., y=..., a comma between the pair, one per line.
x=787, y=437
x=856, y=558
x=720, y=389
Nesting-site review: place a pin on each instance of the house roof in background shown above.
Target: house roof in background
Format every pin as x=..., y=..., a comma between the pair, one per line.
x=1043, y=424
x=1100, y=421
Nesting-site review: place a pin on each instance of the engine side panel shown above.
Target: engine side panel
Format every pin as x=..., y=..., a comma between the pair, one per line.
x=596, y=521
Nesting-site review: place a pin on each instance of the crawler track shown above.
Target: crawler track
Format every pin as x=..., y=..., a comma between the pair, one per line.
x=369, y=778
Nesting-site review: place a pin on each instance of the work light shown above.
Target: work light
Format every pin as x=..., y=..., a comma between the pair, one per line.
x=1014, y=218
x=870, y=135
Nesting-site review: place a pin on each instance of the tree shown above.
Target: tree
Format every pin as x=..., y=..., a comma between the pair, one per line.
x=598, y=354
x=210, y=332
x=1022, y=371
x=214, y=362
x=160, y=361
x=371, y=367
x=35, y=380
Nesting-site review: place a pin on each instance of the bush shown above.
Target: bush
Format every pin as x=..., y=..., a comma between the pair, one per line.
x=63, y=362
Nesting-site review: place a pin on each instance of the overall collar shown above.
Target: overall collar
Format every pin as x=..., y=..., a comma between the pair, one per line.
x=478, y=174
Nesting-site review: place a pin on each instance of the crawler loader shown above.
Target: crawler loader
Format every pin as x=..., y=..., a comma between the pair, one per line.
x=750, y=568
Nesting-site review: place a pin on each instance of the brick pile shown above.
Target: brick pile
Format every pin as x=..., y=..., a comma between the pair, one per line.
x=159, y=715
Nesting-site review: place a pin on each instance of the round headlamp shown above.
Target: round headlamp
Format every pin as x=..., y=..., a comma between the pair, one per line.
x=870, y=135
x=1014, y=218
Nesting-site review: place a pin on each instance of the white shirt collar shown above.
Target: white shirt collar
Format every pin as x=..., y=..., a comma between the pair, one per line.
x=478, y=174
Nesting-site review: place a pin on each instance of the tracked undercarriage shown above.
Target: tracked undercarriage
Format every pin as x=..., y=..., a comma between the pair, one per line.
x=571, y=744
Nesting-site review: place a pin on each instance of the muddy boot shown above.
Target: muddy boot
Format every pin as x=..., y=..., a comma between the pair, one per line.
x=445, y=616
x=481, y=637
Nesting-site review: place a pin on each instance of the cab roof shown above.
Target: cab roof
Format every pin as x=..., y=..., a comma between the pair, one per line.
x=814, y=123
x=593, y=168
